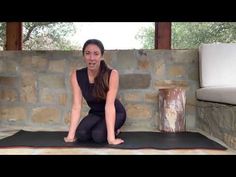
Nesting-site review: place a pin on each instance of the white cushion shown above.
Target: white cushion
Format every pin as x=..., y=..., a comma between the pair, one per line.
x=218, y=94
x=217, y=65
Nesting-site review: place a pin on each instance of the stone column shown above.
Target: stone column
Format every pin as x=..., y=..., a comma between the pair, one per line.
x=172, y=109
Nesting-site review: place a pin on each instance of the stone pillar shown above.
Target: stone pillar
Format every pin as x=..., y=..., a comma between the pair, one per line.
x=172, y=109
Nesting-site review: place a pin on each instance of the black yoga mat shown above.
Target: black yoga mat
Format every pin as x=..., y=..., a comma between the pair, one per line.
x=133, y=140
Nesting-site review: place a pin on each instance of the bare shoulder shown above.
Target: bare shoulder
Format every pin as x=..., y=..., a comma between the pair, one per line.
x=114, y=73
x=73, y=76
x=73, y=73
x=114, y=77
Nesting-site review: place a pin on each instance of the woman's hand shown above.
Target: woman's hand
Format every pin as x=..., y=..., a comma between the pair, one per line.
x=116, y=141
x=69, y=140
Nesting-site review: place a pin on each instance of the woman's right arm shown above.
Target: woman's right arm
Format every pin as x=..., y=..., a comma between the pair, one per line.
x=76, y=108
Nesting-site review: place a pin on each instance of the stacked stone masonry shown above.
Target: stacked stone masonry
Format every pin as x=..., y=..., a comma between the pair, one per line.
x=35, y=86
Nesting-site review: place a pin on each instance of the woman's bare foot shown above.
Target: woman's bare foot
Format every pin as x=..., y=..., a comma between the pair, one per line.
x=116, y=141
x=69, y=140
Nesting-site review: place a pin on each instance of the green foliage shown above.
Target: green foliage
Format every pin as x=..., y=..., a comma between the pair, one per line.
x=146, y=37
x=44, y=36
x=192, y=34
x=48, y=36
x=2, y=34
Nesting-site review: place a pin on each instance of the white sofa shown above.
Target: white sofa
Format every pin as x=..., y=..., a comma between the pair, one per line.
x=217, y=69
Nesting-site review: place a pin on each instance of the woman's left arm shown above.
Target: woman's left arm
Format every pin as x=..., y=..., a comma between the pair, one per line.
x=110, y=112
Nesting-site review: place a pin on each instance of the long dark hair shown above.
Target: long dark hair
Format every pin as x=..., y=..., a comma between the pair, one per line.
x=101, y=81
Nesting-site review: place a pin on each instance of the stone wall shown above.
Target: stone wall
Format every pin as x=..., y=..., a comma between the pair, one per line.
x=218, y=120
x=35, y=86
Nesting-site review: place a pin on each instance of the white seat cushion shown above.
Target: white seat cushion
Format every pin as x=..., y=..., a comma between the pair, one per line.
x=217, y=94
x=217, y=65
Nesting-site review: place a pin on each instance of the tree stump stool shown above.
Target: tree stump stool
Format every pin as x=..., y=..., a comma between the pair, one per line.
x=172, y=109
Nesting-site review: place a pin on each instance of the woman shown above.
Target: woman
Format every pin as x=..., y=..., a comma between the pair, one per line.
x=98, y=85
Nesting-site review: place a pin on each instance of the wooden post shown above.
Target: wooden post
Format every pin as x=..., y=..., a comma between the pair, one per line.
x=14, y=36
x=163, y=35
x=172, y=109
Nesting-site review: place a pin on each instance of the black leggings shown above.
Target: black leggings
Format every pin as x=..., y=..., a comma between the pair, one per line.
x=93, y=127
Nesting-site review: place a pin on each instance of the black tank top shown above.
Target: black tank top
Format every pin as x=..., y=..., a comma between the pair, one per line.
x=96, y=106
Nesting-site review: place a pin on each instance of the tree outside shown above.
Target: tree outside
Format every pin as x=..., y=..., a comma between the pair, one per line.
x=44, y=36
x=146, y=36
x=2, y=34
x=187, y=35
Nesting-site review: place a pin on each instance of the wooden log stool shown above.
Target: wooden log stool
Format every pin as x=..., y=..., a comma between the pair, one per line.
x=172, y=109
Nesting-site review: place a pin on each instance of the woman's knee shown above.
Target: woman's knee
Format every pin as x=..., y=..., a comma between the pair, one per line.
x=99, y=136
x=120, y=120
x=82, y=135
